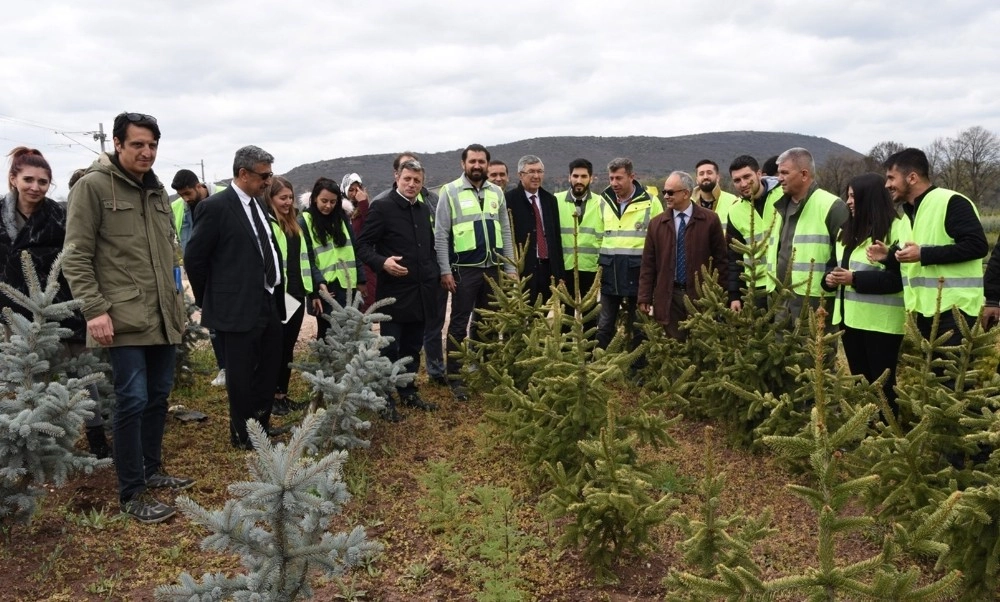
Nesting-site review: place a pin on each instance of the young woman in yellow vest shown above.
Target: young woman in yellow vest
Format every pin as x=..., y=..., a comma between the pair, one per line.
x=330, y=250
x=869, y=295
x=297, y=278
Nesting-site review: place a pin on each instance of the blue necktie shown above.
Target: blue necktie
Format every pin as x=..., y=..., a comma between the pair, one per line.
x=681, y=251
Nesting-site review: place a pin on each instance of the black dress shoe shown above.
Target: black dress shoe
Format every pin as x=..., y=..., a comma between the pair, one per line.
x=460, y=393
x=439, y=379
x=414, y=401
x=242, y=445
x=280, y=407
x=275, y=431
x=390, y=414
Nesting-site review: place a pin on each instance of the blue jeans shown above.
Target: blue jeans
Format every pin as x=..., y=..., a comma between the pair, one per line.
x=143, y=377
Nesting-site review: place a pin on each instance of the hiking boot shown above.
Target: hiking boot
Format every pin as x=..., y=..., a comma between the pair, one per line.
x=161, y=480
x=220, y=379
x=97, y=441
x=147, y=509
x=413, y=400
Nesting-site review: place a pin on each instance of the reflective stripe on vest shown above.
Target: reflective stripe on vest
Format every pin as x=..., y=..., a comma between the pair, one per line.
x=475, y=228
x=302, y=261
x=626, y=235
x=581, y=234
x=963, y=282
x=336, y=264
x=810, y=246
x=878, y=313
x=755, y=229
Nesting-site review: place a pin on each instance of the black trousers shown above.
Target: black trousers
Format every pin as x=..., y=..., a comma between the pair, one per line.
x=947, y=323
x=586, y=281
x=289, y=335
x=472, y=292
x=408, y=338
x=541, y=281
x=871, y=353
x=252, y=361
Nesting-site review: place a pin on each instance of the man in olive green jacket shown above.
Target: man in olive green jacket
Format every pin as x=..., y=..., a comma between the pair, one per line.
x=124, y=266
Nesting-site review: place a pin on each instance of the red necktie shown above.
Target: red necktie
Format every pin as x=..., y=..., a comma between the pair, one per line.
x=543, y=246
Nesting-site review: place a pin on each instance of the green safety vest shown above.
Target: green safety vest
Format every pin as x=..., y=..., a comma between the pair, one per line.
x=626, y=235
x=303, y=262
x=810, y=246
x=476, y=234
x=755, y=229
x=336, y=264
x=582, y=234
x=179, y=206
x=722, y=206
x=878, y=313
x=963, y=282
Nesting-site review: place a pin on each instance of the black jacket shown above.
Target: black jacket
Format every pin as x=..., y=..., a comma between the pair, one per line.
x=393, y=228
x=523, y=227
x=42, y=237
x=224, y=264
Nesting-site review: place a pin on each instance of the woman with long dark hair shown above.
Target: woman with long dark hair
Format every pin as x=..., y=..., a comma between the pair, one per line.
x=869, y=301
x=330, y=248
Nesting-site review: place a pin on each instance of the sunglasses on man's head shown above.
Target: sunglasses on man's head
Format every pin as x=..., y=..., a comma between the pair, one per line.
x=139, y=118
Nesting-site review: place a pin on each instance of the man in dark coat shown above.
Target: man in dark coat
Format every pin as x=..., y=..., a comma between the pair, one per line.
x=530, y=204
x=679, y=242
x=397, y=242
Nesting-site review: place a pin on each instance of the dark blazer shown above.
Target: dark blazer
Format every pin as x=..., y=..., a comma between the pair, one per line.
x=523, y=226
x=224, y=265
x=396, y=228
x=705, y=244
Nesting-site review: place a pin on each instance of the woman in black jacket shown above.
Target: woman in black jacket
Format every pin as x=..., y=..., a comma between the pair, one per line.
x=32, y=222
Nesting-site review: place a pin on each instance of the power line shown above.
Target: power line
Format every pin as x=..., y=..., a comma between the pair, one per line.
x=34, y=124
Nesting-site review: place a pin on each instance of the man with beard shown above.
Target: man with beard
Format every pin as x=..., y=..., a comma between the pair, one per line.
x=806, y=224
x=581, y=226
x=235, y=272
x=948, y=243
x=536, y=227
x=471, y=238
x=710, y=194
x=750, y=219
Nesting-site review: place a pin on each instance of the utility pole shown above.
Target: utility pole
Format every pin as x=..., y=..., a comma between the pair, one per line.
x=100, y=136
x=204, y=181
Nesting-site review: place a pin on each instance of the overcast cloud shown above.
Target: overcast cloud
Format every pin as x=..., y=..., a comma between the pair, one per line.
x=309, y=81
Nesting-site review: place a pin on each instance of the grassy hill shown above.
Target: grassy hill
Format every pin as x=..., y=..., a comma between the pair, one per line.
x=653, y=156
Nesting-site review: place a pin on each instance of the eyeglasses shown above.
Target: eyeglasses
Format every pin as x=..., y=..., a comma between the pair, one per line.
x=534, y=172
x=267, y=175
x=139, y=118
x=669, y=193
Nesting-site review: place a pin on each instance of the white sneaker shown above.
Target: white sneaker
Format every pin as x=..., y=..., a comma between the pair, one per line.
x=220, y=379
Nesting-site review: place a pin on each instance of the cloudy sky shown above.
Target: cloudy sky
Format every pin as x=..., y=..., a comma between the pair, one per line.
x=317, y=80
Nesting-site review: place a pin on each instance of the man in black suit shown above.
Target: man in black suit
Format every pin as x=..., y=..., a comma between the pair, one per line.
x=235, y=273
x=536, y=222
